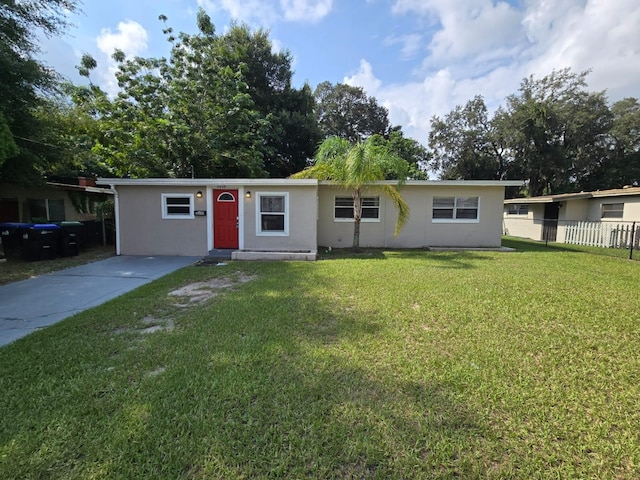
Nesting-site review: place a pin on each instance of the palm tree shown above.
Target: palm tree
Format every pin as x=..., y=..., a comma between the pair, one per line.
x=360, y=166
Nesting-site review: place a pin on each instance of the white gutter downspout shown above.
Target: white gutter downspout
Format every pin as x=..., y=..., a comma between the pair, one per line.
x=116, y=209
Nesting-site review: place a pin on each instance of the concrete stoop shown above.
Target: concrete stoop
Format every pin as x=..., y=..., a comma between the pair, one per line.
x=274, y=255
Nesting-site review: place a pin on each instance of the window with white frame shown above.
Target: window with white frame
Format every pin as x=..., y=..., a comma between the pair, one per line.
x=612, y=210
x=343, y=209
x=516, y=209
x=177, y=205
x=272, y=213
x=455, y=209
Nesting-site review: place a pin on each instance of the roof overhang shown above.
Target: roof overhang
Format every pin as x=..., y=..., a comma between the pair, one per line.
x=227, y=182
x=214, y=182
x=446, y=183
x=80, y=188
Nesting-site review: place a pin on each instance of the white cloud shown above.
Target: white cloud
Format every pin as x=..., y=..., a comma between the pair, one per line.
x=487, y=48
x=306, y=10
x=131, y=38
x=262, y=12
x=267, y=12
x=364, y=78
x=411, y=44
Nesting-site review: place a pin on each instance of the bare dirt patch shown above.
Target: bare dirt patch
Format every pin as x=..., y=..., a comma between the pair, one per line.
x=200, y=291
x=156, y=372
x=152, y=324
x=156, y=325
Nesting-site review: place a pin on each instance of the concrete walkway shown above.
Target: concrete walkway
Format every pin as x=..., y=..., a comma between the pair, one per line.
x=36, y=303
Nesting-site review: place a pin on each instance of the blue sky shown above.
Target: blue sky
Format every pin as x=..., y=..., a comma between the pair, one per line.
x=419, y=58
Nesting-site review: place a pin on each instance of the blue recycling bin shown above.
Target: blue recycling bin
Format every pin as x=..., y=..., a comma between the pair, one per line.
x=40, y=241
x=11, y=234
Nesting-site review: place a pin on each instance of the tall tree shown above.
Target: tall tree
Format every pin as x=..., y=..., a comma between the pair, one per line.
x=293, y=130
x=465, y=144
x=621, y=165
x=553, y=133
x=347, y=112
x=219, y=106
x=556, y=131
x=359, y=167
x=23, y=80
x=410, y=150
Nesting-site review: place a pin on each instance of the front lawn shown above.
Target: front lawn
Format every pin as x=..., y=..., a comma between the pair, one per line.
x=392, y=365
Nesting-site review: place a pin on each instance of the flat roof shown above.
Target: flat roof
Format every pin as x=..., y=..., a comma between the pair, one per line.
x=615, y=192
x=222, y=182
x=291, y=181
x=80, y=188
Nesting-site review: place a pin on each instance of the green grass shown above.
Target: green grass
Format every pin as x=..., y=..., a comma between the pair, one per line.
x=389, y=365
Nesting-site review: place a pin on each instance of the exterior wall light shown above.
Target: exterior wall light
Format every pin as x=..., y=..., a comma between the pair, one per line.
x=199, y=194
x=247, y=194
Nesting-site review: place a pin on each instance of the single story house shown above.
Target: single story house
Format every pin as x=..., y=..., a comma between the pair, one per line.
x=291, y=218
x=599, y=218
x=51, y=202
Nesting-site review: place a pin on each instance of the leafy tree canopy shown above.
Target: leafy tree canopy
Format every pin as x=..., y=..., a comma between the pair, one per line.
x=553, y=133
x=219, y=106
x=347, y=112
x=23, y=80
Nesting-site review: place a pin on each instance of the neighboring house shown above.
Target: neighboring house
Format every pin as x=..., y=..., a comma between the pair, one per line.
x=290, y=218
x=52, y=202
x=599, y=218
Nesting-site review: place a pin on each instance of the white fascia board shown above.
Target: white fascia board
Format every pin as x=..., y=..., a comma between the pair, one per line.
x=213, y=182
x=444, y=183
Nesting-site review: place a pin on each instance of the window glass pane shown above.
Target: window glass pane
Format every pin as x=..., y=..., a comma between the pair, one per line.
x=272, y=204
x=225, y=197
x=344, y=202
x=56, y=210
x=612, y=210
x=344, y=212
x=370, y=201
x=370, y=212
x=467, y=213
x=443, y=202
x=272, y=223
x=518, y=209
x=443, y=213
x=467, y=202
x=37, y=209
x=178, y=210
x=178, y=201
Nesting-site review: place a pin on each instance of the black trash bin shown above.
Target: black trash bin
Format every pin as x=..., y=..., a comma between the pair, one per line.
x=69, y=242
x=12, y=241
x=41, y=241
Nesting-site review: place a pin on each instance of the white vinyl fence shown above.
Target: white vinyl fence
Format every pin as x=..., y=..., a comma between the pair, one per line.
x=602, y=234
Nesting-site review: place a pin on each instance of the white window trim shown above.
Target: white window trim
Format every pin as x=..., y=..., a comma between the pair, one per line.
x=167, y=216
x=351, y=220
x=456, y=220
x=259, y=231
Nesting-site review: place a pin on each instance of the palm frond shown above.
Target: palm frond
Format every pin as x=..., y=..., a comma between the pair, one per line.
x=393, y=193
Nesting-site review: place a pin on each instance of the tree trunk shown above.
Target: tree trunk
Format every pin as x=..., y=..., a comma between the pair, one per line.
x=357, y=215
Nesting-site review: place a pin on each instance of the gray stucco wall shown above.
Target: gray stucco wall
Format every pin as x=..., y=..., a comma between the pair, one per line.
x=421, y=230
x=302, y=220
x=143, y=231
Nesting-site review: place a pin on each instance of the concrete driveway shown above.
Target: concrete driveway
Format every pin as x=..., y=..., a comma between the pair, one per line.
x=39, y=302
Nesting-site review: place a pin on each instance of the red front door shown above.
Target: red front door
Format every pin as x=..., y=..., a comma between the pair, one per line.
x=225, y=219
